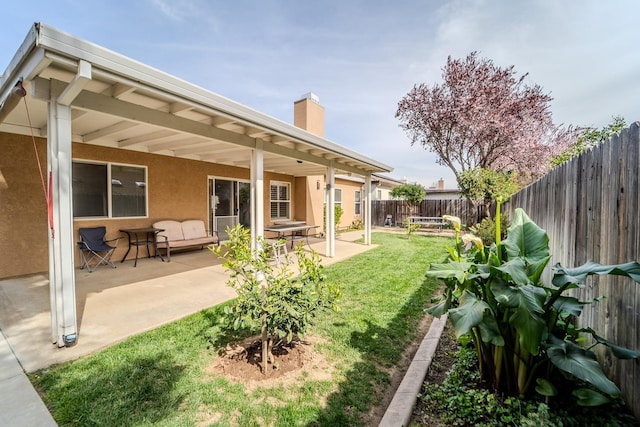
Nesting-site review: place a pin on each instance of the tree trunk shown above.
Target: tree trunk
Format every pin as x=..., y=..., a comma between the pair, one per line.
x=265, y=343
x=265, y=332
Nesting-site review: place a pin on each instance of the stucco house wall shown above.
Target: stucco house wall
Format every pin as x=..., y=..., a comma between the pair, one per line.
x=23, y=207
x=349, y=189
x=177, y=189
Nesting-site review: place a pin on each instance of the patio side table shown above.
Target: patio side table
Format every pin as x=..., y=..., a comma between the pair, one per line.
x=137, y=237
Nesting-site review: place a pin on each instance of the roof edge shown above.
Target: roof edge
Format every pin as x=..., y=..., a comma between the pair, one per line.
x=68, y=45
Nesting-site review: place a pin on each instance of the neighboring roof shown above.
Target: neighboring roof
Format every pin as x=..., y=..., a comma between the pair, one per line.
x=388, y=181
x=442, y=190
x=375, y=178
x=122, y=103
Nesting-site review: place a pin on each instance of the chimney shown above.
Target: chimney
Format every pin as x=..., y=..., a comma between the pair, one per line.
x=441, y=184
x=308, y=114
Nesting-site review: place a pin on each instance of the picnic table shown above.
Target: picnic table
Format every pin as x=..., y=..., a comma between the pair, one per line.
x=427, y=221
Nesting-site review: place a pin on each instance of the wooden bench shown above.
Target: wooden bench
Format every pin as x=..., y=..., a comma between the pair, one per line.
x=427, y=221
x=183, y=235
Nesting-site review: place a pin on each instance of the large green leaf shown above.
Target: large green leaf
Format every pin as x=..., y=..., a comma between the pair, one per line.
x=527, y=297
x=578, y=275
x=489, y=331
x=618, y=351
x=526, y=318
x=580, y=363
x=441, y=308
x=468, y=314
x=455, y=269
x=569, y=305
x=587, y=397
x=525, y=305
x=516, y=269
x=504, y=294
x=545, y=387
x=528, y=241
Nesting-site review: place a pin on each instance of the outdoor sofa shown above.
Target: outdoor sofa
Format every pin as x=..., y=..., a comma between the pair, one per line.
x=187, y=234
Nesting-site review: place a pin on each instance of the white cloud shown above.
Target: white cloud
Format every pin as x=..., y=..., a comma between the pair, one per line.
x=361, y=56
x=176, y=10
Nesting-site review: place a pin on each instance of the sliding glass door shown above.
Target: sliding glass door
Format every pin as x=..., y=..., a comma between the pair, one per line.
x=229, y=204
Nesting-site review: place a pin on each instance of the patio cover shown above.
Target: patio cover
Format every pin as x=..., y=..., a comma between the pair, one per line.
x=78, y=91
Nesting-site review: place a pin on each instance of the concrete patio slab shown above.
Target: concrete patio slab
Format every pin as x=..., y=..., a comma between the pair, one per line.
x=112, y=304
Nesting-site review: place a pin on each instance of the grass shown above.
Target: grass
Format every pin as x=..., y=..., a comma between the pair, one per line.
x=159, y=377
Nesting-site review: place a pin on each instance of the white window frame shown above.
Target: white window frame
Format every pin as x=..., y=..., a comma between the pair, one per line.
x=279, y=201
x=109, y=192
x=338, y=197
x=358, y=202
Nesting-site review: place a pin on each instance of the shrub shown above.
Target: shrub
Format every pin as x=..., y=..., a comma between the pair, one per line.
x=356, y=224
x=486, y=229
x=337, y=216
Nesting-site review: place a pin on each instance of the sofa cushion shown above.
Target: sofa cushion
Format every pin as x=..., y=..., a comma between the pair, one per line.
x=193, y=229
x=202, y=241
x=172, y=230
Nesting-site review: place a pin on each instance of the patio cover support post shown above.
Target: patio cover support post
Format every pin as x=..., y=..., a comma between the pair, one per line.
x=330, y=211
x=257, y=193
x=62, y=283
x=367, y=209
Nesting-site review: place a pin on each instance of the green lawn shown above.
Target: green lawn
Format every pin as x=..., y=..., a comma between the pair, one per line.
x=159, y=378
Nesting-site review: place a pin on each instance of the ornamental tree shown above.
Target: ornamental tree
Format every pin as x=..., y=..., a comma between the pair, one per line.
x=483, y=116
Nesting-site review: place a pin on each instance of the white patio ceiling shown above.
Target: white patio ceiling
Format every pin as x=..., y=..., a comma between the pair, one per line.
x=127, y=105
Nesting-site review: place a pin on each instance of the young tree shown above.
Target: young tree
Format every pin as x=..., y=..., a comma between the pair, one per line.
x=484, y=186
x=412, y=193
x=272, y=301
x=483, y=116
x=588, y=138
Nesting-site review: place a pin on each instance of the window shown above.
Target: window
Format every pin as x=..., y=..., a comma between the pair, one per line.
x=280, y=200
x=358, y=204
x=338, y=197
x=126, y=196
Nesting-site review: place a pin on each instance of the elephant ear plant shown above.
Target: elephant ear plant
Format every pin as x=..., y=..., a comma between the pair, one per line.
x=524, y=330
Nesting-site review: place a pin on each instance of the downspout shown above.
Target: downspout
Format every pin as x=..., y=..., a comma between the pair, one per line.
x=18, y=92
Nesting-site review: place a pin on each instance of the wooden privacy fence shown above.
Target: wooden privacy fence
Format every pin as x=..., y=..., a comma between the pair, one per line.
x=399, y=210
x=590, y=208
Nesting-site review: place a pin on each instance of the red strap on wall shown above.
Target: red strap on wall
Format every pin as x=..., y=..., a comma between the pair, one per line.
x=50, y=205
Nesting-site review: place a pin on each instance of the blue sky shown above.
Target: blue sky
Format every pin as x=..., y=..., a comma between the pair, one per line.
x=362, y=56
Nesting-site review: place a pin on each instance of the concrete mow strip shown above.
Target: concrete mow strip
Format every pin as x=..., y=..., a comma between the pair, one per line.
x=399, y=411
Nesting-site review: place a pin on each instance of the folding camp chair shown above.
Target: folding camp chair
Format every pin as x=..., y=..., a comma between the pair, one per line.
x=94, y=250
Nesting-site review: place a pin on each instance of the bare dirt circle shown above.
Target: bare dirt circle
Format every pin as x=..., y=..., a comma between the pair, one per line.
x=241, y=362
